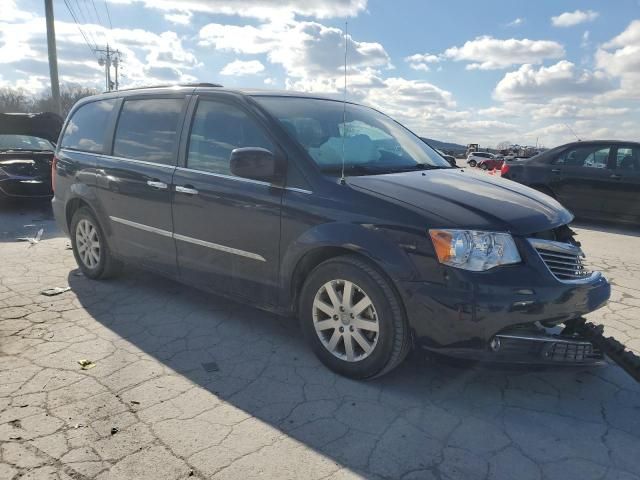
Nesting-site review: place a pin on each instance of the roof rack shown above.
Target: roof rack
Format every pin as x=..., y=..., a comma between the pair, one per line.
x=200, y=84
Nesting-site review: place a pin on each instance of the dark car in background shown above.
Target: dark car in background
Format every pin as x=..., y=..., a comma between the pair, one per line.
x=329, y=211
x=596, y=179
x=27, y=143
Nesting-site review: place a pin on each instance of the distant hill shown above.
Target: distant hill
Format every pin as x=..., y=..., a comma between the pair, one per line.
x=453, y=147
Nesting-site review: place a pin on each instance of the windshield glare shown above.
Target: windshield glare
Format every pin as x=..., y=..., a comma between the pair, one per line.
x=370, y=141
x=24, y=142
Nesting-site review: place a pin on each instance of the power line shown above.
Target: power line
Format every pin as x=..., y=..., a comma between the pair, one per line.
x=86, y=21
x=103, y=27
x=106, y=7
x=75, y=19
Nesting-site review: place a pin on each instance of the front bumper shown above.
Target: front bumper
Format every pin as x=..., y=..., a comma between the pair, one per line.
x=462, y=315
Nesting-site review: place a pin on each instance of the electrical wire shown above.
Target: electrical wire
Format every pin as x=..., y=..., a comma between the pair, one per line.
x=75, y=19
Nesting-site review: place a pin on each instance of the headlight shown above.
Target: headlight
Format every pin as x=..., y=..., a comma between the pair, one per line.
x=474, y=250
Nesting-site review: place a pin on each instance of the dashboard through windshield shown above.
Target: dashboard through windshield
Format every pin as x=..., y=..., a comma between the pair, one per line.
x=370, y=142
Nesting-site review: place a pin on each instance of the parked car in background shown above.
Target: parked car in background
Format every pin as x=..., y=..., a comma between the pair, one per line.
x=491, y=163
x=27, y=142
x=449, y=158
x=371, y=239
x=596, y=179
x=476, y=157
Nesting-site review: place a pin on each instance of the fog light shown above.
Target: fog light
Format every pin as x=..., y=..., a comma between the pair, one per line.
x=494, y=344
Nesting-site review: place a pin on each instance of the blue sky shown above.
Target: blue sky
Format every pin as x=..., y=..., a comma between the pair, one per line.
x=464, y=71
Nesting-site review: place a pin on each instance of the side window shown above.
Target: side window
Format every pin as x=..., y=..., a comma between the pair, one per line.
x=589, y=157
x=627, y=159
x=86, y=129
x=147, y=130
x=219, y=128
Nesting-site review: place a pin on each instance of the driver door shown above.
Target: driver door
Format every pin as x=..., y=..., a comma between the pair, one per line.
x=226, y=228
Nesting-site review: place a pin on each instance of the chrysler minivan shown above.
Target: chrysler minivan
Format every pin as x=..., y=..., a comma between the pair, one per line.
x=329, y=211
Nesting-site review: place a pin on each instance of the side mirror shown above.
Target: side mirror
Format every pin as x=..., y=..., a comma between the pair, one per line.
x=254, y=163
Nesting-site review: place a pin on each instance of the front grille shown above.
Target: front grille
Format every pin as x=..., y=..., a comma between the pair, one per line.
x=564, y=260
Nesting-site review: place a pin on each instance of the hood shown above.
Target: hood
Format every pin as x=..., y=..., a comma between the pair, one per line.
x=45, y=125
x=462, y=199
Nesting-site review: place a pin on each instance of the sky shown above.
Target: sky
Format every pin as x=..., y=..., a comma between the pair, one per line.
x=467, y=71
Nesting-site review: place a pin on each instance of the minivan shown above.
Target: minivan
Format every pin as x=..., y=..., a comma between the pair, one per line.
x=328, y=211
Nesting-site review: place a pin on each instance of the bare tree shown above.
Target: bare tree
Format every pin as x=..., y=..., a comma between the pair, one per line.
x=506, y=145
x=68, y=97
x=14, y=101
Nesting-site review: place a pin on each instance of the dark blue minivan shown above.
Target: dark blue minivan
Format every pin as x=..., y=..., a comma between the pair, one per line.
x=329, y=211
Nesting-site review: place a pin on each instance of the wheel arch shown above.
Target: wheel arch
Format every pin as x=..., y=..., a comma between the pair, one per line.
x=385, y=256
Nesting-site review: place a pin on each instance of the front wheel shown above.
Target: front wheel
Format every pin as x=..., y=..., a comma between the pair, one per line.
x=484, y=166
x=472, y=163
x=353, y=319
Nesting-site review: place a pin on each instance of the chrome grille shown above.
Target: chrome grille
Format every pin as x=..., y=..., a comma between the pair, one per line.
x=564, y=260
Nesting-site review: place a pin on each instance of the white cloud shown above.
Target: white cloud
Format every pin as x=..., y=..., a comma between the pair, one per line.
x=621, y=55
x=421, y=61
x=562, y=79
x=515, y=23
x=148, y=57
x=569, y=19
x=240, y=67
x=179, y=18
x=312, y=54
x=488, y=53
x=264, y=9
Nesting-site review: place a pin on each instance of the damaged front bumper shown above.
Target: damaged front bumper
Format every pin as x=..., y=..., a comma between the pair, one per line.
x=535, y=344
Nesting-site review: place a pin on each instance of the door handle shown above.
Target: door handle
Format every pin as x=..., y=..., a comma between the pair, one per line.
x=188, y=189
x=556, y=170
x=615, y=176
x=156, y=184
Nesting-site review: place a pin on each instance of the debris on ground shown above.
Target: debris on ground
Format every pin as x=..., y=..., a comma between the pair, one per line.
x=135, y=402
x=50, y=292
x=32, y=240
x=86, y=364
x=78, y=425
x=114, y=430
x=15, y=423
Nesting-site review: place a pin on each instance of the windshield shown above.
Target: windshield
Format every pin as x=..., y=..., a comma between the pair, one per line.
x=371, y=142
x=24, y=142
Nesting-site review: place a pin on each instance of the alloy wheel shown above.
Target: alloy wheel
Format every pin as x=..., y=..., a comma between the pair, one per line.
x=88, y=243
x=345, y=320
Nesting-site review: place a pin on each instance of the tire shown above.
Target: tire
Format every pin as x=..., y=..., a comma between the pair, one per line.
x=484, y=166
x=389, y=345
x=96, y=263
x=472, y=163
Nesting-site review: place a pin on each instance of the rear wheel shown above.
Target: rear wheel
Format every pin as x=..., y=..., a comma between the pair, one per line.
x=472, y=163
x=90, y=247
x=353, y=319
x=484, y=166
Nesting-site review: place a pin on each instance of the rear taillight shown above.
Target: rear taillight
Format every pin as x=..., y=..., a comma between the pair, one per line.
x=54, y=163
x=504, y=169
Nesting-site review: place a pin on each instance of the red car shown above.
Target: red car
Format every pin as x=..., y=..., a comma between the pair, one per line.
x=491, y=163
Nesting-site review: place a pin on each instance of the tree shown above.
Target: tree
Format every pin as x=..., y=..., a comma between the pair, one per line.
x=14, y=101
x=68, y=97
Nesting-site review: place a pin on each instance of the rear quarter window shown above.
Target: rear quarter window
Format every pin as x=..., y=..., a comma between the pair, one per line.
x=85, y=130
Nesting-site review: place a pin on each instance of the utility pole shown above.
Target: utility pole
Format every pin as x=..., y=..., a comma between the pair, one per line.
x=109, y=57
x=53, y=56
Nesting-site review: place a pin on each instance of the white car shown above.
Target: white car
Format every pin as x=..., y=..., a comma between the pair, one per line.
x=475, y=157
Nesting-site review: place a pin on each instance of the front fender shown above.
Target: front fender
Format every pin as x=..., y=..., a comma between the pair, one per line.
x=379, y=244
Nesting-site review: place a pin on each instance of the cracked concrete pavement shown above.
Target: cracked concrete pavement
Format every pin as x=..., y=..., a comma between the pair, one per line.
x=265, y=407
